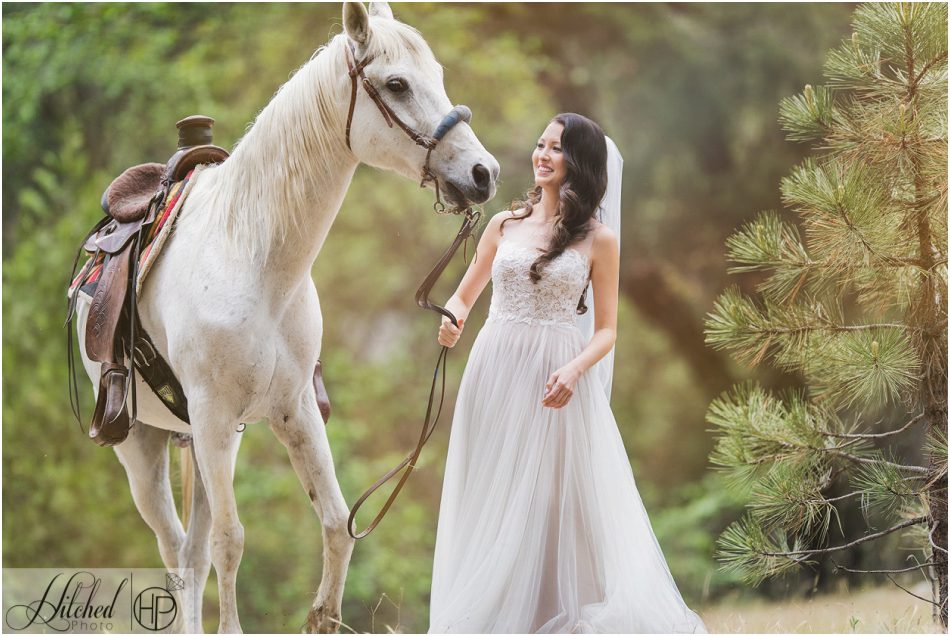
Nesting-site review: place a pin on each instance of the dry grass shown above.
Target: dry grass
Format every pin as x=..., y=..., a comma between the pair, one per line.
x=879, y=610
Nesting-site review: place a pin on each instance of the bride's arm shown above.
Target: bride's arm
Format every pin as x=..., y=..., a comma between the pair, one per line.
x=605, y=277
x=479, y=270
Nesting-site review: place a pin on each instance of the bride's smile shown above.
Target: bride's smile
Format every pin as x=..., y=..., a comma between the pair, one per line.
x=548, y=160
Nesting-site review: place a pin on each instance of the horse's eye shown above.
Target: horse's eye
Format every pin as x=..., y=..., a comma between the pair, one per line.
x=397, y=85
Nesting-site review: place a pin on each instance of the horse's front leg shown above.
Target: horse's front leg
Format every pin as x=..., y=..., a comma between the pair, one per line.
x=302, y=432
x=216, y=442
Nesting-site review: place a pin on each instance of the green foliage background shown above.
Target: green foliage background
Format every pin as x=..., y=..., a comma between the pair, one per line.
x=689, y=92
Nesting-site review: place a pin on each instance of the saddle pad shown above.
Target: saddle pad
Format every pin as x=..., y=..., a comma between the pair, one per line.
x=152, y=242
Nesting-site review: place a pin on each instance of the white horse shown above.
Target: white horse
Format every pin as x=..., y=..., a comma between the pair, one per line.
x=232, y=307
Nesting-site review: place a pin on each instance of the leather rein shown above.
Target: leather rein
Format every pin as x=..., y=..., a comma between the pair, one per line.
x=457, y=114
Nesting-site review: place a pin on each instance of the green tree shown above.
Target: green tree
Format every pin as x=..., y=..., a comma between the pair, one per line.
x=857, y=306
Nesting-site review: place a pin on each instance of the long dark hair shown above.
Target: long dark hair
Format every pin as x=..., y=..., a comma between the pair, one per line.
x=585, y=156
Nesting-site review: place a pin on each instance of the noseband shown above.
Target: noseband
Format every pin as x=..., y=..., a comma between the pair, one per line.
x=457, y=114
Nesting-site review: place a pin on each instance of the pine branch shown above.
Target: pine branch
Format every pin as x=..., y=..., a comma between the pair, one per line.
x=935, y=446
x=911, y=593
x=769, y=244
x=842, y=497
x=872, y=363
x=745, y=548
x=885, y=488
x=790, y=497
x=934, y=479
x=883, y=462
x=942, y=57
x=838, y=566
x=916, y=418
x=781, y=445
x=864, y=539
x=847, y=211
x=852, y=67
x=828, y=326
x=736, y=315
x=809, y=115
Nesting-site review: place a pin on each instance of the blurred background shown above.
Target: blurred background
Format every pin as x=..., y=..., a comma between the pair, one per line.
x=689, y=92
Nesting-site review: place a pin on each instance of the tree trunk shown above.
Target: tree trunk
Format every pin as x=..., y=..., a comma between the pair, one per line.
x=937, y=499
x=930, y=316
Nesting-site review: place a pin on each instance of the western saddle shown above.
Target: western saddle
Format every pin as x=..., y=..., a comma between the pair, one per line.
x=113, y=337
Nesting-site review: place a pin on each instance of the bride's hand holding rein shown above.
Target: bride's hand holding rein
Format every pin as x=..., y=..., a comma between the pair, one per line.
x=473, y=282
x=449, y=333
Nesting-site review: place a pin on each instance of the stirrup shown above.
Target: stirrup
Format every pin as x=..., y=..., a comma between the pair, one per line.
x=110, y=422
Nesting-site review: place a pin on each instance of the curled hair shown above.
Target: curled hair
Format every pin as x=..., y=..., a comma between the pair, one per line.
x=584, y=149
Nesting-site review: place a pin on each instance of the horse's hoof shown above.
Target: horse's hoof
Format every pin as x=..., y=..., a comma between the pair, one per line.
x=320, y=620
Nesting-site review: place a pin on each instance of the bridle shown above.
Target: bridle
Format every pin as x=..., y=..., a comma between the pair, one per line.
x=457, y=114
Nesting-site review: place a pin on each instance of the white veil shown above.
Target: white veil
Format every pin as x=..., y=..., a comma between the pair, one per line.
x=608, y=213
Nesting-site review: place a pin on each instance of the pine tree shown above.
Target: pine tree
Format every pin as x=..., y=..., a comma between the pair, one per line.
x=856, y=303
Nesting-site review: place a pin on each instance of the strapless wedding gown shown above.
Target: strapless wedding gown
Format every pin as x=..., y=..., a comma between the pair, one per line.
x=541, y=527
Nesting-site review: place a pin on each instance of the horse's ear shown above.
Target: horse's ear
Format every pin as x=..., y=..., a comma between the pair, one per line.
x=381, y=10
x=356, y=22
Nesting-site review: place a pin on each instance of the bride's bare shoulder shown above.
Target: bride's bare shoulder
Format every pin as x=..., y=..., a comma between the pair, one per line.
x=498, y=217
x=494, y=223
x=601, y=232
x=603, y=244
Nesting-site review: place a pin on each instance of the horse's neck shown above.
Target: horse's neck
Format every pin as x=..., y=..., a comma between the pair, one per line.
x=283, y=186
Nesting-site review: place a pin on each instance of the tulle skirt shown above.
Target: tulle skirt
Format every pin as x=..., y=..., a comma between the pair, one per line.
x=541, y=528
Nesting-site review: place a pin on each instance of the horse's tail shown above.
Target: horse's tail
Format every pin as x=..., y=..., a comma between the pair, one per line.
x=187, y=484
x=186, y=466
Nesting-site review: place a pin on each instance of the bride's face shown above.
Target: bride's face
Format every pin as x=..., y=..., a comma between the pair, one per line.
x=547, y=158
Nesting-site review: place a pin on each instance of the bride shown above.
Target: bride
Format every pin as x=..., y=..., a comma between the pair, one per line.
x=541, y=527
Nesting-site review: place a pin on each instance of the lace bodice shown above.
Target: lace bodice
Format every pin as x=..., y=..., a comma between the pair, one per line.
x=552, y=301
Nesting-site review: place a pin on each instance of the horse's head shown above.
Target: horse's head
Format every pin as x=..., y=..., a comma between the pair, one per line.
x=400, y=65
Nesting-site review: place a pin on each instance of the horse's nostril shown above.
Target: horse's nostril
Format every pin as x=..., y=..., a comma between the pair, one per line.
x=481, y=176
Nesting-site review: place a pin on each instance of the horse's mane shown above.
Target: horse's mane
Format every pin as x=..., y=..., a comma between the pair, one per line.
x=261, y=192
